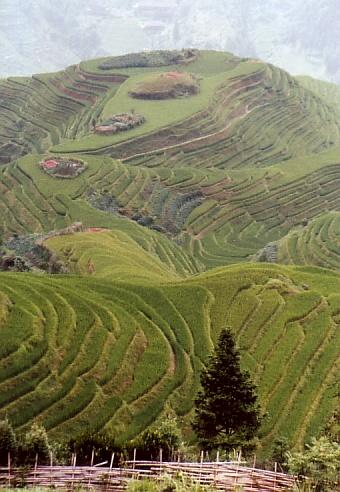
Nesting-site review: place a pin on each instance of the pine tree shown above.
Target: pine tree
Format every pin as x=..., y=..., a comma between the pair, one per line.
x=227, y=412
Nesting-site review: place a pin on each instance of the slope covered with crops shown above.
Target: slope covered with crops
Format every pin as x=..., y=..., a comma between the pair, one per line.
x=246, y=168
x=82, y=351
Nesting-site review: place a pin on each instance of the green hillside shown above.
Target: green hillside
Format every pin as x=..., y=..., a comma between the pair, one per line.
x=217, y=217
x=318, y=243
x=326, y=90
x=83, y=350
x=177, y=213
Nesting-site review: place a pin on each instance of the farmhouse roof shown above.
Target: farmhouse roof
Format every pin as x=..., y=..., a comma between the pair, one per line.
x=51, y=164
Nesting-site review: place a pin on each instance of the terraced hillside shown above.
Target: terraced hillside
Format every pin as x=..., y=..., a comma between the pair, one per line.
x=81, y=351
x=37, y=112
x=220, y=126
x=216, y=128
x=219, y=218
x=326, y=90
x=318, y=243
x=126, y=253
x=249, y=164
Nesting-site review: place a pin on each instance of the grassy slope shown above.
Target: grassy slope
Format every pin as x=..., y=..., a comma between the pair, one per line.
x=238, y=213
x=79, y=349
x=318, y=243
x=158, y=114
x=326, y=90
x=126, y=253
x=83, y=349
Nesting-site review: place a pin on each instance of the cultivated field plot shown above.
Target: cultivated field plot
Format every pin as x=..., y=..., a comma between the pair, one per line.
x=83, y=349
x=316, y=244
x=249, y=162
x=217, y=218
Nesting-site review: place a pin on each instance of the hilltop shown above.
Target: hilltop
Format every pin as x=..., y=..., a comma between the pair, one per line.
x=176, y=202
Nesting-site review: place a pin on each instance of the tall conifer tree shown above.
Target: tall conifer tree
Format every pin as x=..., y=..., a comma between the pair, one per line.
x=227, y=412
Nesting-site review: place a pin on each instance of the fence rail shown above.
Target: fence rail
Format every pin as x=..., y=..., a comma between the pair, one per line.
x=224, y=476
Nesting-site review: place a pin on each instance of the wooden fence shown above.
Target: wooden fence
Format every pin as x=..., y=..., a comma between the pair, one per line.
x=224, y=476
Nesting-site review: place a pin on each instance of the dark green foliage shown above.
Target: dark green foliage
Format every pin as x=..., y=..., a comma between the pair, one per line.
x=151, y=59
x=165, y=437
x=8, y=442
x=227, y=413
x=318, y=465
x=100, y=445
x=34, y=444
x=279, y=453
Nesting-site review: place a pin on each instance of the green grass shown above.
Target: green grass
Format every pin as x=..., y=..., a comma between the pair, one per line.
x=158, y=114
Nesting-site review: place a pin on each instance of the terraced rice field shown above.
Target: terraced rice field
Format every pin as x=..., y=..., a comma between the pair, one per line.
x=253, y=159
x=82, y=350
x=220, y=127
x=38, y=112
x=326, y=90
x=316, y=244
x=218, y=218
x=128, y=253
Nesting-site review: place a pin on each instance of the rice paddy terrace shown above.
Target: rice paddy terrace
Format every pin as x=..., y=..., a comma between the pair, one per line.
x=317, y=243
x=82, y=350
x=247, y=168
x=218, y=217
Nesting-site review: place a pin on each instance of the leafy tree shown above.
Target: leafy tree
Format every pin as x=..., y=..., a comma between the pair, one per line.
x=227, y=412
x=318, y=465
x=100, y=443
x=279, y=452
x=36, y=443
x=171, y=433
x=166, y=436
x=8, y=442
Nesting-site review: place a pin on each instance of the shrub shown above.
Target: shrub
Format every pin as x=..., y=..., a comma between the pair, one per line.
x=165, y=437
x=100, y=444
x=318, y=465
x=166, y=86
x=151, y=59
x=8, y=441
x=35, y=443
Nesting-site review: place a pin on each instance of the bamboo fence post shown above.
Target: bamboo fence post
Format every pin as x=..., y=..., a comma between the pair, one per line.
x=252, y=472
x=112, y=458
x=160, y=463
x=91, y=465
x=110, y=470
x=237, y=468
x=9, y=468
x=35, y=467
x=134, y=458
x=216, y=466
x=201, y=465
x=51, y=465
x=275, y=478
x=74, y=465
